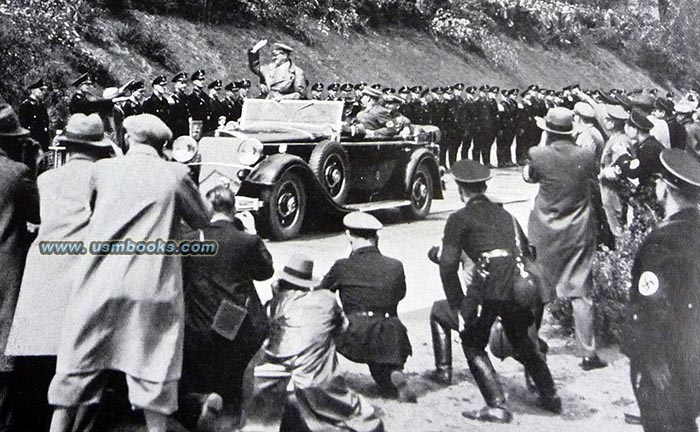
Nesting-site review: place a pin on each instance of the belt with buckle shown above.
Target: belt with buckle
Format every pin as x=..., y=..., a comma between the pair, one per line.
x=496, y=253
x=373, y=314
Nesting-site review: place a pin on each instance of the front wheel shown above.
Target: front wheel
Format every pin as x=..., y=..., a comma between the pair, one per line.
x=420, y=193
x=286, y=207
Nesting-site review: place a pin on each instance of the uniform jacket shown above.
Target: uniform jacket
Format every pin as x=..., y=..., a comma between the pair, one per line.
x=199, y=105
x=131, y=108
x=179, y=115
x=591, y=139
x=158, y=106
x=663, y=316
x=126, y=312
x=33, y=116
x=286, y=80
x=562, y=225
x=228, y=276
x=47, y=280
x=87, y=104
x=647, y=153
x=19, y=204
x=382, y=121
x=481, y=226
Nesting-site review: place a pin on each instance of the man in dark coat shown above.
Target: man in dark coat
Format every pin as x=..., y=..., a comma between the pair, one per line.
x=507, y=112
x=199, y=101
x=661, y=332
x=132, y=106
x=157, y=104
x=487, y=115
x=33, y=115
x=19, y=204
x=371, y=286
x=486, y=233
x=219, y=343
x=180, y=113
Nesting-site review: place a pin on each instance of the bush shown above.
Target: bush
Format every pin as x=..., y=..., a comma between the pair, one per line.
x=148, y=45
x=612, y=272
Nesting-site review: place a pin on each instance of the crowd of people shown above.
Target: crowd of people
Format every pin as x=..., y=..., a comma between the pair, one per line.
x=178, y=334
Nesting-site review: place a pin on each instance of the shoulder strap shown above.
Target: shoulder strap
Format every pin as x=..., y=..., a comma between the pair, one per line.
x=518, y=245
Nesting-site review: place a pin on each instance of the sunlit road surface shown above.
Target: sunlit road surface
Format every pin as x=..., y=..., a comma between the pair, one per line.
x=407, y=241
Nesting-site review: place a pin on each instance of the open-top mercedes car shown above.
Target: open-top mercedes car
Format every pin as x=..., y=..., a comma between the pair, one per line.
x=291, y=165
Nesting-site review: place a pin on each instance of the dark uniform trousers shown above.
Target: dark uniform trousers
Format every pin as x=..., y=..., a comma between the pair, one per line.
x=484, y=138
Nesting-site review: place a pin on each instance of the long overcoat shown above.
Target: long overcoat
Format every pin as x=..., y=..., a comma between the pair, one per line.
x=562, y=224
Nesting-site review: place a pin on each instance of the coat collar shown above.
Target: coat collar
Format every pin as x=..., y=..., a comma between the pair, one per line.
x=365, y=250
x=142, y=149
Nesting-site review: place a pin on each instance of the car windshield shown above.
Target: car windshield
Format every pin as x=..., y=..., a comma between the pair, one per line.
x=296, y=114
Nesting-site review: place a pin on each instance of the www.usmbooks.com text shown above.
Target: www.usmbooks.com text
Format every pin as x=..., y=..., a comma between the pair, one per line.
x=129, y=247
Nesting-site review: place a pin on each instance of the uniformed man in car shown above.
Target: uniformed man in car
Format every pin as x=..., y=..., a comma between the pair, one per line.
x=281, y=79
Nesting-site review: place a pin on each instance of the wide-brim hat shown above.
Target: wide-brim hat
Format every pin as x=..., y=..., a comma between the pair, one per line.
x=558, y=121
x=86, y=130
x=9, y=123
x=299, y=271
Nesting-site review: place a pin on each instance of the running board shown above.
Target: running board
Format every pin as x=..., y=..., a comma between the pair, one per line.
x=378, y=205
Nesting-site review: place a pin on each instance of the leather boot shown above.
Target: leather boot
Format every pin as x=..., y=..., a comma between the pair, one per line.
x=442, y=349
x=485, y=376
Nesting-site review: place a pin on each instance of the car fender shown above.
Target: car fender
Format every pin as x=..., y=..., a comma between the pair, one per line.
x=260, y=180
x=424, y=156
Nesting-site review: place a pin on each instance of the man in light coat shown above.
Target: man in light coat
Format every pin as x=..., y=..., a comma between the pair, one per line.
x=126, y=312
x=281, y=79
x=562, y=225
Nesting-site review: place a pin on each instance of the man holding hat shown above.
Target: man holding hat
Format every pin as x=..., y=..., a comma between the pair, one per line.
x=19, y=204
x=662, y=326
x=487, y=234
x=562, y=223
x=157, y=104
x=34, y=116
x=65, y=211
x=126, y=313
x=281, y=79
x=371, y=286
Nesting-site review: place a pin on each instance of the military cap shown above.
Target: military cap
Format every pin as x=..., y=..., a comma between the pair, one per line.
x=670, y=95
x=199, y=74
x=437, y=90
x=361, y=221
x=424, y=92
x=82, y=79
x=533, y=87
x=484, y=88
x=38, y=84
x=653, y=92
x=616, y=112
x=360, y=86
x=278, y=46
x=559, y=120
x=391, y=99
x=608, y=99
x=333, y=86
x=147, y=129
x=638, y=119
x=160, y=80
x=347, y=87
x=317, y=86
x=245, y=83
x=495, y=89
x=664, y=105
x=135, y=86
x=447, y=89
x=514, y=92
x=373, y=93
x=469, y=171
x=416, y=89
x=681, y=169
x=645, y=102
x=230, y=87
x=458, y=86
x=624, y=101
x=571, y=87
x=389, y=90
x=684, y=107
x=180, y=76
x=404, y=90
x=584, y=109
x=377, y=86
x=215, y=84
x=505, y=92
x=471, y=89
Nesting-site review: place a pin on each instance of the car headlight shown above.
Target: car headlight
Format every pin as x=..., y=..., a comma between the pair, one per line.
x=184, y=149
x=249, y=151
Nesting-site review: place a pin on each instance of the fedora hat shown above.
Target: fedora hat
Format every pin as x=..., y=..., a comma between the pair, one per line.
x=85, y=129
x=9, y=123
x=558, y=121
x=299, y=271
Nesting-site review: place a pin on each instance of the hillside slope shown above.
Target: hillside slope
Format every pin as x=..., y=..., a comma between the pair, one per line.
x=393, y=56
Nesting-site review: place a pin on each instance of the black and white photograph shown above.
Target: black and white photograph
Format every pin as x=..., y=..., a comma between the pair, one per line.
x=349, y=215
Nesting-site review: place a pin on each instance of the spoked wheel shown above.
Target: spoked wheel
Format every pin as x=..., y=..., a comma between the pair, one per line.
x=420, y=193
x=329, y=163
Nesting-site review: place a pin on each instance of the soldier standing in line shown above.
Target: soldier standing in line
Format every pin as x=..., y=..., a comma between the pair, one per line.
x=351, y=107
x=317, y=91
x=132, y=106
x=660, y=336
x=230, y=102
x=488, y=110
x=455, y=115
x=218, y=106
x=438, y=114
x=157, y=104
x=507, y=111
x=199, y=101
x=34, y=116
x=469, y=119
x=179, y=121
x=332, y=91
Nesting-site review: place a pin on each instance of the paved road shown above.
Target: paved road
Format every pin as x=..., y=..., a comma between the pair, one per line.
x=408, y=241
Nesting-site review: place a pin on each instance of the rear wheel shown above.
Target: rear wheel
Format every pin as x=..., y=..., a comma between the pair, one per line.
x=420, y=193
x=286, y=207
x=330, y=164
